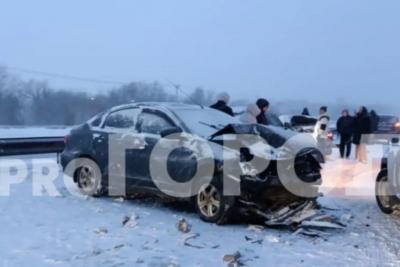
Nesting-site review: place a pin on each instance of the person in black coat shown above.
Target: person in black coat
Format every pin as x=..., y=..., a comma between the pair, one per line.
x=222, y=104
x=263, y=105
x=305, y=112
x=362, y=127
x=345, y=127
x=374, y=121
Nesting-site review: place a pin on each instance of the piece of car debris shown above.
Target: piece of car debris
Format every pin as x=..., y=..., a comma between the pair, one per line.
x=183, y=226
x=130, y=221
x=101, y=231
x=284, y=215
x=190, y=237
x=311, y=233
x=256, y=228
x=345, y=218
x=233, y=259
x=119, y=199
x=321, y=224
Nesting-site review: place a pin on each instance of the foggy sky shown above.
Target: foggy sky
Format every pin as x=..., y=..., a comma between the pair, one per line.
x=316, y=50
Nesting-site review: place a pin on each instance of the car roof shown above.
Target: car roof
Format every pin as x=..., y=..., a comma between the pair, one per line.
x=163, y=105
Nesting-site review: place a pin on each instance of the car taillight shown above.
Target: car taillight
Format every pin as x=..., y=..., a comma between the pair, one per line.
x=397, y=126
x=66, y=139
x=329, y=136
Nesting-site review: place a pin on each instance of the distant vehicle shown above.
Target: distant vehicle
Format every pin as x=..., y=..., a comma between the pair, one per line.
x=299, y=123
x=388, y=124
x=387, y=187
x=153, y=121
x=306, y=124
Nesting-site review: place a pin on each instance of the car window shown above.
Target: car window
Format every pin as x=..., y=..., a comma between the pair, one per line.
x=153, y=123
x=121, y=119
x=273, y=120
x=97, y=120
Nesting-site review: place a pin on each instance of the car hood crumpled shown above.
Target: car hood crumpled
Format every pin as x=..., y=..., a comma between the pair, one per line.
x=274, y=136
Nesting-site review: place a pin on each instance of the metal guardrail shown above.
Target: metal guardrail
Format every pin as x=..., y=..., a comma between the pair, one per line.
x=33, y=145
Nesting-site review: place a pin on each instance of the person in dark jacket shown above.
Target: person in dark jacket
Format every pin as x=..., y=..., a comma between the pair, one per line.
x=222, y=104
x=345, y=127
x=263, y=105
x=362, y=127
x=305, y=112
x=374, y=121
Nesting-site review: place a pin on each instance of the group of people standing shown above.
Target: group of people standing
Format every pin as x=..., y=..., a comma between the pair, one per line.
x=352, y=129
x=255, y=113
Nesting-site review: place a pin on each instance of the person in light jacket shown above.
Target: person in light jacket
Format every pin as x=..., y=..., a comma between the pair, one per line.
x=250, y=116
x=321, y=127
x=321, y=132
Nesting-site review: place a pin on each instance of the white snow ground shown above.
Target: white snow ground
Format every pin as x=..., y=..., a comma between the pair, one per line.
x=77, y=231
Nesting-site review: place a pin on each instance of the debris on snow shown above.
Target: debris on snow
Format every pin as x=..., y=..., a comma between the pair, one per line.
x=304, y=215
x=311, y=233
x=233, y=259
x=192, y=245
x=130, y=221
x=101, y=231
x=186, y=241
x=345, y=218
x=119, y=246
x=119, y=200
x=139, y=261
x=272, y=239
x=256, y=228
x=125, y=220
x=321, y=224
x=183, y=226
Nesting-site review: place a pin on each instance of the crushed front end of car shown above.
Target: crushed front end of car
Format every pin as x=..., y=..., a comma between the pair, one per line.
x=293, y=174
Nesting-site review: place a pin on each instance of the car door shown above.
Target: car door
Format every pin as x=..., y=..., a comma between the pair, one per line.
x=180, y=164
x=118, y=125
x=151, y=122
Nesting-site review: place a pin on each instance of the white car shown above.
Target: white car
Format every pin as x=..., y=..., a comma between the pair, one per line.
x=387, y=187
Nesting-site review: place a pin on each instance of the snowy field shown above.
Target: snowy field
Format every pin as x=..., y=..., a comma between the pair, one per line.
x=77, y=231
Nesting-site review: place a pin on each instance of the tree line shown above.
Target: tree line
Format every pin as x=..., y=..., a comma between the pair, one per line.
x=36, y=103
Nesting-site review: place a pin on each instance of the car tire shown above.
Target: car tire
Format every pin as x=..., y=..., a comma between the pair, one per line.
x=89, y=179
x=383, y=193
x=212, y=206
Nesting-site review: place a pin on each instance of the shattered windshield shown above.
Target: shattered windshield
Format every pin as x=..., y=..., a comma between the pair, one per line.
x=205, y=122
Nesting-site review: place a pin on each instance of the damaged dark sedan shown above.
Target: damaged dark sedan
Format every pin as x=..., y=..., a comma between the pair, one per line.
x=259, y=189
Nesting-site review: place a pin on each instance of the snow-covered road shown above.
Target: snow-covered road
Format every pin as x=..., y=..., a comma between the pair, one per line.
x=78, y=231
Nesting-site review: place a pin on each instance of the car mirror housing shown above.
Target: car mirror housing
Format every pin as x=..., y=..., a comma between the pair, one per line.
x=170, y=131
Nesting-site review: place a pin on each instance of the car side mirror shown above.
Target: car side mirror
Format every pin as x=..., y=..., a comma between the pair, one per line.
x=169, y=131
x=395, y=140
